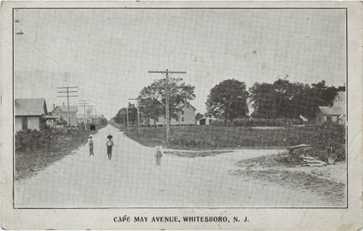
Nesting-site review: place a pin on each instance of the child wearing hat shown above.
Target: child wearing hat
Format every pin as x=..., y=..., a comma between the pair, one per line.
x=109, y=144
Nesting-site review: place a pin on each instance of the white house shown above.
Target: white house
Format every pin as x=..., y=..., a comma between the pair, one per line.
x=30, y=113
x=335, y=113
x=185, y=117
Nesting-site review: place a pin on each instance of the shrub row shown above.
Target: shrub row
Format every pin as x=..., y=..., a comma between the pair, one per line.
x=206, y=137
x=253, y=122
x=48, y=139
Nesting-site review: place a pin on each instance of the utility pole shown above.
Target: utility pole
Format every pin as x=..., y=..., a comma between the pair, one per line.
x=137, y=115
x=167, y=96
x=89, y=113
x=95, y=116
x=83, y=103
x=67, y=92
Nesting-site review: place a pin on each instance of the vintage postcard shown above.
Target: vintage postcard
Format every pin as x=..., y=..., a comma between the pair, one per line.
x=181, y=115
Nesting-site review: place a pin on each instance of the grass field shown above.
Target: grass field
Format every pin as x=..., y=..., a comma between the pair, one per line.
x=214, y=137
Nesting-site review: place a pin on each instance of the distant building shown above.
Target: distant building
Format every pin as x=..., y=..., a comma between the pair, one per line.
x=30, y=113
x=335, y=113
x=185, y=117
x=62, y=113
x=206, y=120
x=51, y=121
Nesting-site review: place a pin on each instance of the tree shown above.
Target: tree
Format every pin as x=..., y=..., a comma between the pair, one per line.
x=292, y=99
x=150, y=109
x=132, y=116
x=284, y=99
x=102, y=120
x=264, y=101
x=228, y=100
x=121, y=117
x=152, y=98
x=326, y=94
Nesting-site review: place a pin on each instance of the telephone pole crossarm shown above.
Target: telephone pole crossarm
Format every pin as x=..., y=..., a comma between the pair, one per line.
x=67, y=87
x=67, y=91
x=60, y=96
x=167, y=71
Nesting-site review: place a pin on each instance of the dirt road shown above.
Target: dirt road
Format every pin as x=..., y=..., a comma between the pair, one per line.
x=132, y=179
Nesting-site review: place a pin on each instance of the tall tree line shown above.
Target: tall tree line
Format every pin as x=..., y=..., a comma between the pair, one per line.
x=285, y=99
x=230, y=99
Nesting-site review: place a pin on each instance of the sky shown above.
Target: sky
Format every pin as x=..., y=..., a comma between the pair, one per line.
x=107, y=52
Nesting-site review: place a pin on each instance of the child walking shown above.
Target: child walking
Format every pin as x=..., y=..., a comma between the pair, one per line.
x=90, y=144
x=109, y=144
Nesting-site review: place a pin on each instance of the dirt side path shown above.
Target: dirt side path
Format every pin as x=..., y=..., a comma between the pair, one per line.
x=326, y=181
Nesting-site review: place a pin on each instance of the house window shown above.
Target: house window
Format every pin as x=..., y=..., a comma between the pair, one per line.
x=24, y=123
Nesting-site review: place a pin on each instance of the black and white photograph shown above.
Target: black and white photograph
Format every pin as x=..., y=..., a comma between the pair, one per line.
x=180, y=108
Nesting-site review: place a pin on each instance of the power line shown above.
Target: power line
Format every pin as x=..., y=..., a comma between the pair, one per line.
x=67, y=92
x=84, y=103
x=167, y=96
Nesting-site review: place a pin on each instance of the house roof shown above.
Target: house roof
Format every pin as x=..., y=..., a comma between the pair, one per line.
x=335, y=110
x=187, y=104
x=50, y=117
x=72, y=108
x=30, y=107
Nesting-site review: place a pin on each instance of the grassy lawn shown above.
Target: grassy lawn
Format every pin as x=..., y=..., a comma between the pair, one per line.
x=219, y=137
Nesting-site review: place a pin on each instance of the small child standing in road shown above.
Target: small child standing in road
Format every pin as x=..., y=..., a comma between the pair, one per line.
x=90, y=144
x=109, y=144
x=158, y=154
